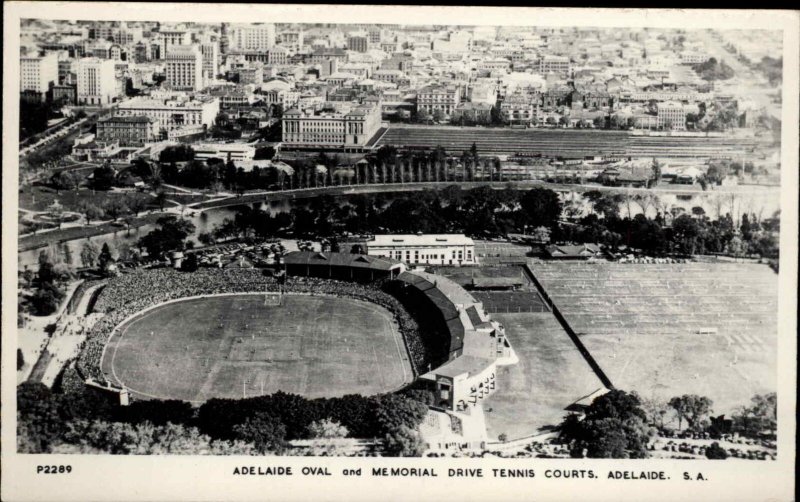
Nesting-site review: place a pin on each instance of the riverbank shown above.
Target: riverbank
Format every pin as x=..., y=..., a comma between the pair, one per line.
x=44, y=239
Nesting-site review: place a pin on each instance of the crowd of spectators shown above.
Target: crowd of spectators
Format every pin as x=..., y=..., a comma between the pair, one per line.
x=140, y=289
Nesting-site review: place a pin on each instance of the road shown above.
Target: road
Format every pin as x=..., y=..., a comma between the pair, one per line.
x=745, y=79
x=305, y=193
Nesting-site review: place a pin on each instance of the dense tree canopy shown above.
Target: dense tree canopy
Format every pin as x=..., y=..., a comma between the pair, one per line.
x=614, y=426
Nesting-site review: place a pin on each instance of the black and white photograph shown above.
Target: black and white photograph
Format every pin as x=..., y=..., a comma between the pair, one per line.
x=515, y=243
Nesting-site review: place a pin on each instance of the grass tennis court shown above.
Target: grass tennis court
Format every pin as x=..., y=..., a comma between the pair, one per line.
x=235, y=346
x=665, y=330
x=550, y=375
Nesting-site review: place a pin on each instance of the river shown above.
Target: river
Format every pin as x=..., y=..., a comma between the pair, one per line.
x=761, y=202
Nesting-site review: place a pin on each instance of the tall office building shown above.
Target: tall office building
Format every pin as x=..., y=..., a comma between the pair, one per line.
x=210, y=52
x=251, y=37
x=97, y=83
x=184, y=68
x=37, y=73
x=171, y=38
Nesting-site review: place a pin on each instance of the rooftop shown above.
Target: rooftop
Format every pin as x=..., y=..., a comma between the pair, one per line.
x=421, y=240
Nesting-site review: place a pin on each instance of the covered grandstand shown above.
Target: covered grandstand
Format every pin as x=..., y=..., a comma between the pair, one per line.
x=341, y=266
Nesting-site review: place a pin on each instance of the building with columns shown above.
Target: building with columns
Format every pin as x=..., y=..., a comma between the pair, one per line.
x=96, y=81
x=349, y=131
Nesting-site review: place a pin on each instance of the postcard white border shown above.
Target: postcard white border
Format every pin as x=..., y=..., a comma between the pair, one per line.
x=210, y=478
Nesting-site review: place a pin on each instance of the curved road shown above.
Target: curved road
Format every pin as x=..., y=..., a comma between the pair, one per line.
x=305, y=193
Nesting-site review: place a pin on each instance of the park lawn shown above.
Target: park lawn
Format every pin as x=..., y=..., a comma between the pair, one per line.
x=235, y=346
x=40, y=198
x=550, y=375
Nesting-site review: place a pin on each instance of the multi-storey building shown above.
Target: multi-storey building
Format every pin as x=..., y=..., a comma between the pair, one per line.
x=96, y=81
x=348, y=131
x=693, y=58
x=184, y=68
x=285, y=98
x=322, y=55
x=357, y=43
x=427, y=249
x=519, y=109
x=292, y=41
x=438, y=98
x=402, y=62
x=390, y=76
x=64, y=94
x=554, y=64
x=128, y=131
x=671, y=116
x=168, y=39
x=254, y=37
x=172, y=114
x=251, y=74
x=37, y=74
x=210, y=53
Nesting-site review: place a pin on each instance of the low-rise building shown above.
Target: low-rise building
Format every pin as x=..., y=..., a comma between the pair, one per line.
x=127, y=131
x=480, y=113
x=225, y=151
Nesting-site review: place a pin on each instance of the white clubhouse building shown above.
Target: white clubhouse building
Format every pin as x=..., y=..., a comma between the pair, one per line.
x=425, y=249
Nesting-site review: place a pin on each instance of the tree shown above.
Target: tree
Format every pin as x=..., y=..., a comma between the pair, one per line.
x=170, y=235
x=90, y=211
x=614, y=426
x=541, y=235
x=542, y=207
x=403, y=442
x=395, y=411
x=326, y=429
x=761, y=415
x=161, y=199
x=46, y=299
x=692, y=408
x=656, y=411
x=64, y=180
x=38, y=420
x=116, y=207
x=103, y=177
x=89, y=254
x=264, y=430
x=137, y=203
x=716, y=452
x=655, y=172
x=105, y=259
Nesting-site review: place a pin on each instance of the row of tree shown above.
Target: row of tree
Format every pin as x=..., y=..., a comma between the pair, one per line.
x=479, y=211
x=619, y=424
x=85, y=422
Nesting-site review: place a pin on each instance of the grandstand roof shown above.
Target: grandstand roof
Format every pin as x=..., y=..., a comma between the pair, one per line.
x=340, y=260
x=449, y=288
x=464, y=364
